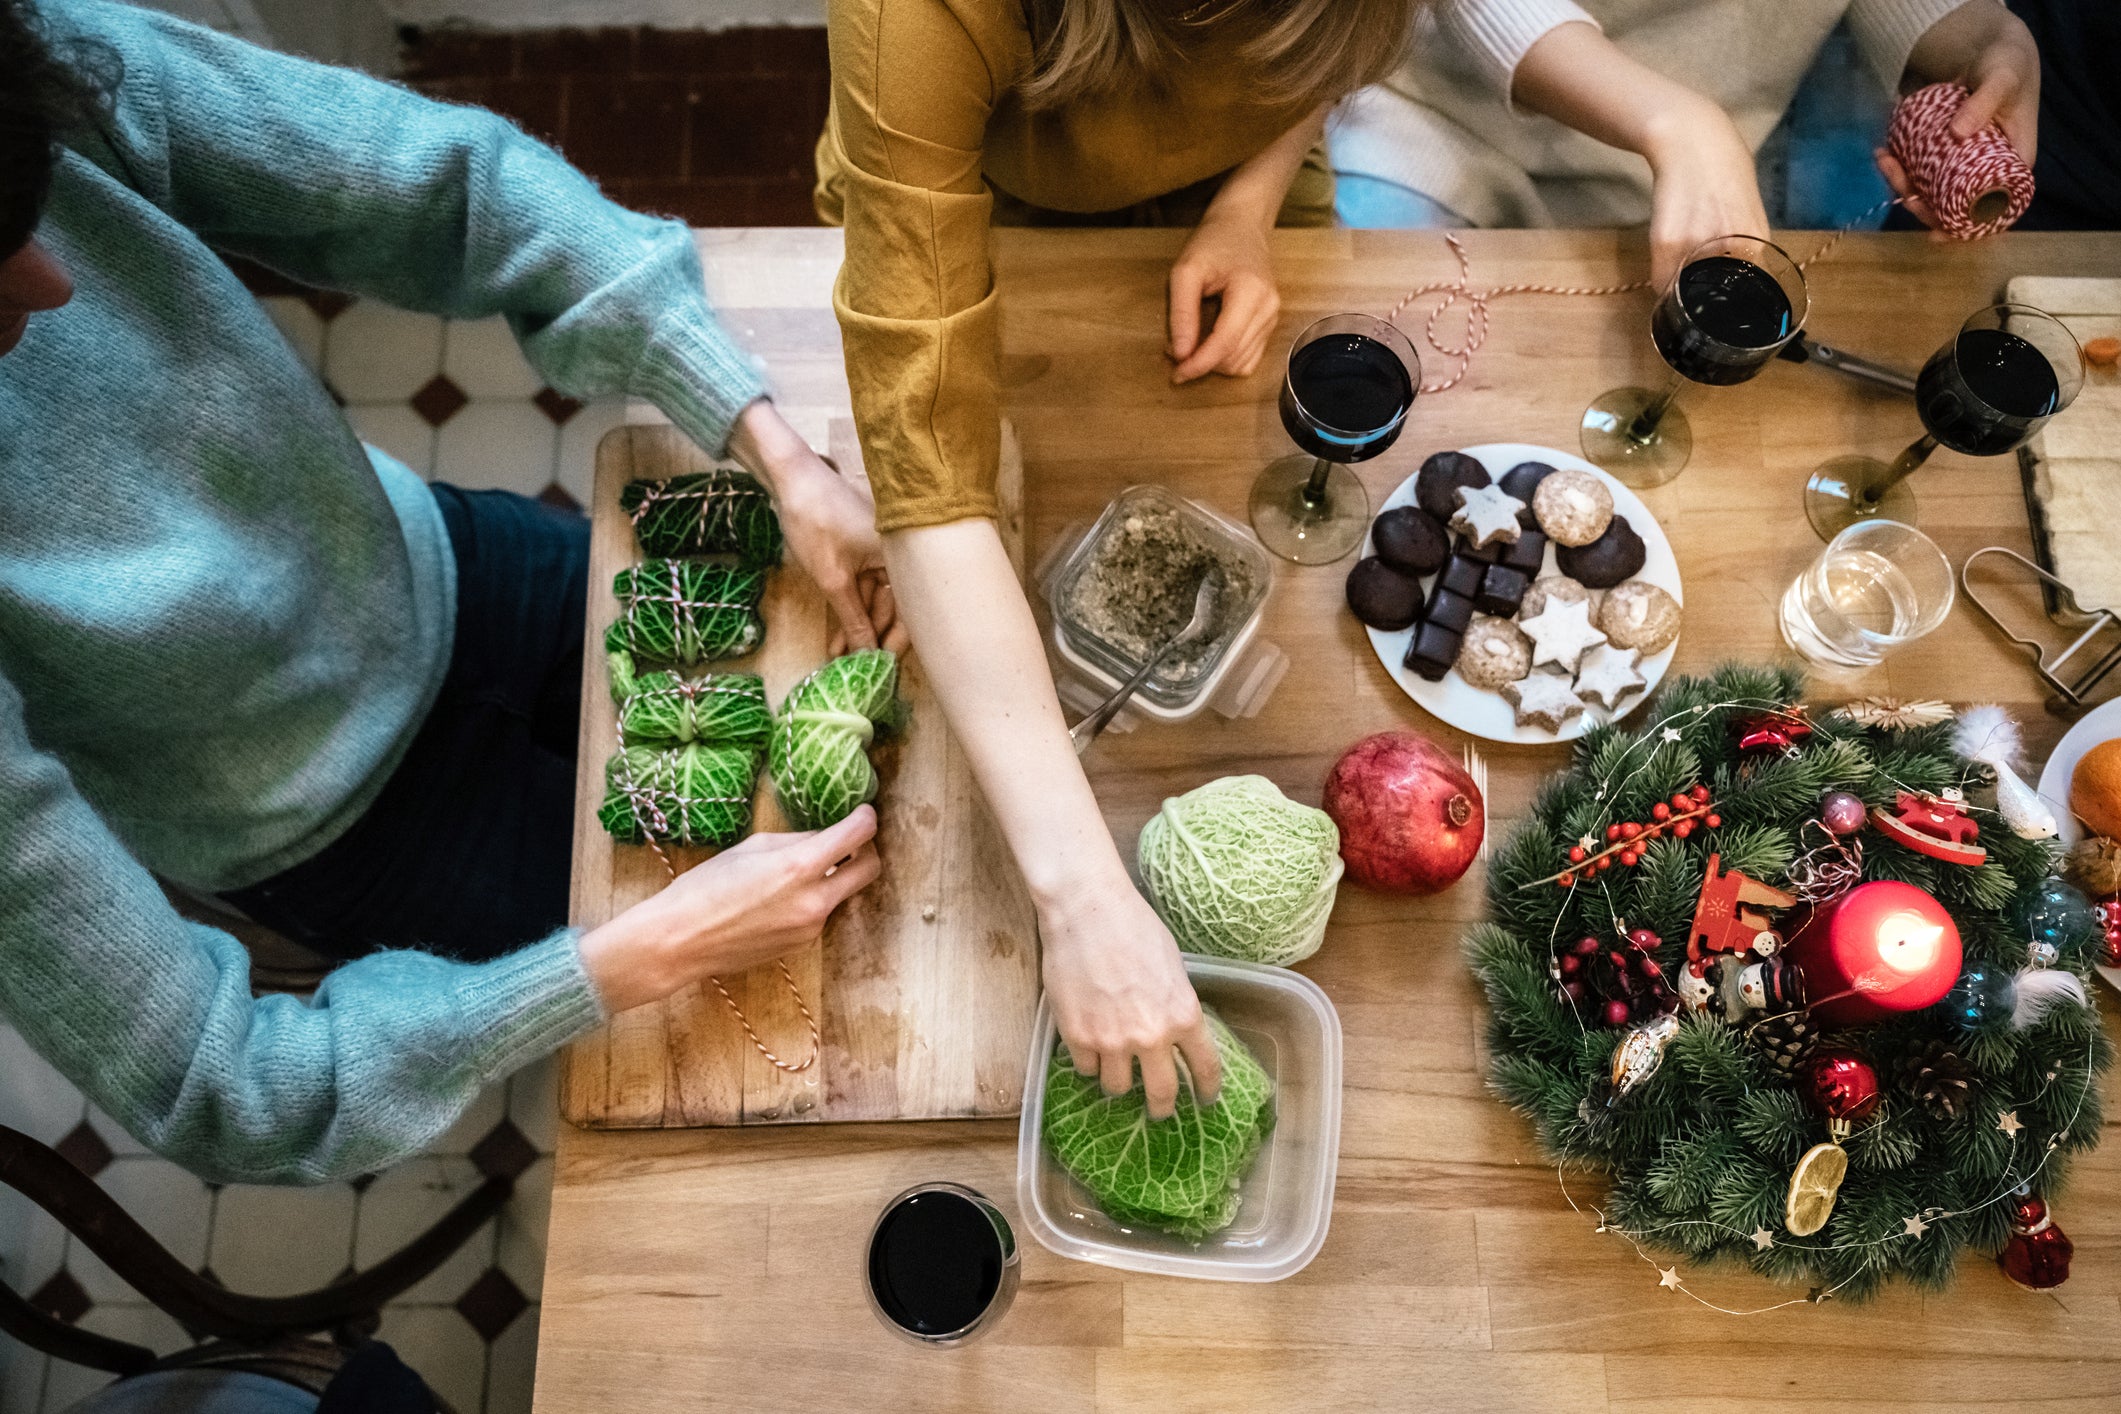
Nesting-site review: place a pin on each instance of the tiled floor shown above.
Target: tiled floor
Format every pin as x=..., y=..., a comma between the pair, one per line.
x=716, y=128
x=456, y=401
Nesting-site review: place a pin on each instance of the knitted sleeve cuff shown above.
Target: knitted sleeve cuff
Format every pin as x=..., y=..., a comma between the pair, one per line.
x=1495, y=35
x=698, y=376
x=520, y=1007
x=1886, y=31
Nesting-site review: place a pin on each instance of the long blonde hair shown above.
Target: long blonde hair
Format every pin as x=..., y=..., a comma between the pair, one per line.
x=1294, y=50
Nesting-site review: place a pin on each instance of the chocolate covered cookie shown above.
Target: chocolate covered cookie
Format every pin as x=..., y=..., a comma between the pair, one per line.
x=1410, y=540
x=1521, y=481
x=1437, y=484
x=1382, y=597
x=1614, y=556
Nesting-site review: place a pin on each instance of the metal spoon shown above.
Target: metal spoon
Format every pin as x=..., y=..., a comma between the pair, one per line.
x=1086, y=731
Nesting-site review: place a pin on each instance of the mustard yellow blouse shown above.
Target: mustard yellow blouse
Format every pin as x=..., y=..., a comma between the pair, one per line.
x=924, y=118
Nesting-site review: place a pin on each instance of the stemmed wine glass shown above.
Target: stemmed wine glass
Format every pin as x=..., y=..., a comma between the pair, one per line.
x=1350, y=382
x=1986, y=392
x=1735, y=302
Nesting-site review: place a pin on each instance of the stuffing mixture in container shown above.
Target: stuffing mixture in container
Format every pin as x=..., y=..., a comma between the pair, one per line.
x=1135, y=589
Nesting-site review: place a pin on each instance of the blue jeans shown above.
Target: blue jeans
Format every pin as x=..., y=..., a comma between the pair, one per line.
x=1373, y=204
x=468, y=849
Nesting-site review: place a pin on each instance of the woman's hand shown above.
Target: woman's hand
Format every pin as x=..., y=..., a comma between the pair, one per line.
x=1225, y=258
x=1705, y=185
x=751, y=903
x=1989, y=50
x=1121, y=995
x=830, y=524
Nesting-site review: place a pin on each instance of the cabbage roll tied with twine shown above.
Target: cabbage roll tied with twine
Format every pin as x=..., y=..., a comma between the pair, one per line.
x=669, y=709
x=686, y=612
x=719, y=512
x=819, y=759
x=695, y=794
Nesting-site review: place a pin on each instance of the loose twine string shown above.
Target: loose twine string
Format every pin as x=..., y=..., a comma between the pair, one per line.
x=1957, y=177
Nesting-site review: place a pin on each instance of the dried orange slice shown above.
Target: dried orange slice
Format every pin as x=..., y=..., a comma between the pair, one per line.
x=1813, y=1188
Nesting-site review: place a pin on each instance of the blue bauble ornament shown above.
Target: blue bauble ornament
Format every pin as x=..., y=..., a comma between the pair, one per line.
x=1978, y=998
x=2051, y=917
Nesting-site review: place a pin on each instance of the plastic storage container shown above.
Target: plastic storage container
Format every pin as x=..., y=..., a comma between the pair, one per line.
x=1235, y=683
x=1287, y=1198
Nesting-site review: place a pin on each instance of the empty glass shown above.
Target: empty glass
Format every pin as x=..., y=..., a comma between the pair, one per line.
x=1877, y=585
x=942, y=1265
x=1986, y=392
x=1735, y=302
x=1350, y=383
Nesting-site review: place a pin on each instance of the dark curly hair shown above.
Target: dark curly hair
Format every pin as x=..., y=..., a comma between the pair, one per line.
x=44, y=93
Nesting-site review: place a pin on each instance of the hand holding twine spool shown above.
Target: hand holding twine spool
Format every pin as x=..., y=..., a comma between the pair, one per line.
x=1976, y=186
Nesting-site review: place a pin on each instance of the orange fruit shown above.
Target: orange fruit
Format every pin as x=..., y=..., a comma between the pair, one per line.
x=2095, y=789
x=1813, y=1188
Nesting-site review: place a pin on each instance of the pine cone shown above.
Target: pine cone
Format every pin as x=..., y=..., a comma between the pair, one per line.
x=1785, y=1039
x=1937, y=1076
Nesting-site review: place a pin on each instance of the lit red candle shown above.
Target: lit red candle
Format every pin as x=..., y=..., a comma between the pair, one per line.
x=1880, y=948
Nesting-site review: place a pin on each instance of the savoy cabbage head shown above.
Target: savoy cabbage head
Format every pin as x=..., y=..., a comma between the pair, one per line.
x=819, y=755
x=1179, y=1174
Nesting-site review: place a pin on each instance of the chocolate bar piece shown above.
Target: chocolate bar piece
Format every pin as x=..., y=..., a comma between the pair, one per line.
x=1502, y=592
x=1529, y=554
x=1433, y=650
x=1463, y=574
x=1448, y=610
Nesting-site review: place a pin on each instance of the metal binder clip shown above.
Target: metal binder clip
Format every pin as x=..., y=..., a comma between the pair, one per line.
x=2069, y=699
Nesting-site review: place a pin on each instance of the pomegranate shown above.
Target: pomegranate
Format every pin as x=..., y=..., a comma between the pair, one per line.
x=1410, y=817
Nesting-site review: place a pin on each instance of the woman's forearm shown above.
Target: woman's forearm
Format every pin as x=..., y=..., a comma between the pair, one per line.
x=980, y=649
x=1260, y=184
x=1581, y=79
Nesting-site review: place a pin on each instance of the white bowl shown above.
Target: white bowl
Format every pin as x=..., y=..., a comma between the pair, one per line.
x=2102, y=723
x=1286, y=1200
x=1489, y=714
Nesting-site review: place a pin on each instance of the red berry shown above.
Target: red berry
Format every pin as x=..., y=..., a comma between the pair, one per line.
x=1616, y=1013
x=1643, y=938
x=1628, y=857
x=1714, y=821
x=1683, y=828
x=1648, y=966
x=1576, y=853
x=1700, y=794
x=1574, y=990
x=1565, y=880
x=1571, y=965
x=1612, y=832
x=1660, y=811
x=1630, y=830
x=1682, y=801
x=1585, y=947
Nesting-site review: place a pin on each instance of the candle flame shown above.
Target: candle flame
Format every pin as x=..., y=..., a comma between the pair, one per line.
x=1908, y=942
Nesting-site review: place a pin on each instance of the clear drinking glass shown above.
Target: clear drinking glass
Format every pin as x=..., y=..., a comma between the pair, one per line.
x=941, y=1266
x=1735, y=302
x=1350, y=383
x=1986, y=392
x=1877, y=585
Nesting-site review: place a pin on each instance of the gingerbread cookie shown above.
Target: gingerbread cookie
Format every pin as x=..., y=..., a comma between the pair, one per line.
x=1573, y=507
x=1638, y=614
x=1487, y=515
x=1495, y=652
x=1607, y=674
x=1543, y=700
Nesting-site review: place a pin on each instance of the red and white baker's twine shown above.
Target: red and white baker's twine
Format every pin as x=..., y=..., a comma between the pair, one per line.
x=1951, y=174
x=1954, y=174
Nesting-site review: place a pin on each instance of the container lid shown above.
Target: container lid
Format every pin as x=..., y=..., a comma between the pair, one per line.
x=1286, y=1199
x=1171, y=687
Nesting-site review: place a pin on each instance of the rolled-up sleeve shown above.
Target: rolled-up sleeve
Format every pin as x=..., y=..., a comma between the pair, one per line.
x=912, y=90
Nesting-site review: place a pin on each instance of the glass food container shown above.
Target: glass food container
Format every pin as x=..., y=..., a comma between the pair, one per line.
x=1286, y=1197
x=1236, y=672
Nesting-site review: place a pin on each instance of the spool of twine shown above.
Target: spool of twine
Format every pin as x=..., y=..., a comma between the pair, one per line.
x=1976, y=186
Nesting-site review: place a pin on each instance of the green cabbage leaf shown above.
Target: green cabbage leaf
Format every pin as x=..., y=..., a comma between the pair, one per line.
x=686, y=612
x=718, y=512
x=668, y=709
x=819, y=756
x=695, y=794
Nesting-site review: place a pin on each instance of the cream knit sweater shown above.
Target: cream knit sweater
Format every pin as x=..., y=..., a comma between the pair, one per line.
x=1443, y=125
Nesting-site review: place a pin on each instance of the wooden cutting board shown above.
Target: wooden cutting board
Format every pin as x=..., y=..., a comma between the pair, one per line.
x=925, y=985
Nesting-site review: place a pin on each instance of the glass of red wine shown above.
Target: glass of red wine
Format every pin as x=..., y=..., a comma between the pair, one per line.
x=1986, y=392
x=942, y=1265
x=1735, y=302
x=1350, y=383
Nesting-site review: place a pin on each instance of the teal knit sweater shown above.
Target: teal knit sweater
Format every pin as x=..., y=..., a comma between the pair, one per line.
x=222, y=619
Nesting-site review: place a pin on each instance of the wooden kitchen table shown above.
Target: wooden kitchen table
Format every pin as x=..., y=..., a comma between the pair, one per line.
x=720, y=1269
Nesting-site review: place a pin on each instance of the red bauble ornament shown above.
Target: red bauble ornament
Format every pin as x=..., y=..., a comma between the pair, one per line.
x=1841, y=812
x=2108, y=911
x=2037, y=1255
x=1840, y=1085
x=1410, y=818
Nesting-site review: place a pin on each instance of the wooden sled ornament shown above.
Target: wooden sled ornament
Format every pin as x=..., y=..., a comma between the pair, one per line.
x=1937, y=826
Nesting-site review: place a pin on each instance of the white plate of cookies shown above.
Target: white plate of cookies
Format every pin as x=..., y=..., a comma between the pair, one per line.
x=1519, y=593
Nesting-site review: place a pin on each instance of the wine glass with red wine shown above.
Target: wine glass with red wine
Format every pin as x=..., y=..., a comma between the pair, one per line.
x=1350, y=383
x=942, y=1265
x=1735, y=302
x=2001, y=377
